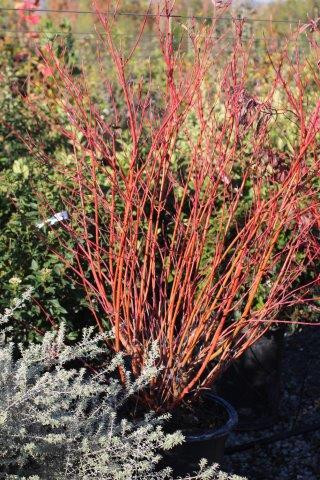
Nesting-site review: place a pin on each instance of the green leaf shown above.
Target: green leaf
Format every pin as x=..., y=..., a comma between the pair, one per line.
x=34, y=265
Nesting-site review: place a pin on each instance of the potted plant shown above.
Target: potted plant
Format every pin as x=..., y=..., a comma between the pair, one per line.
x=176, y=215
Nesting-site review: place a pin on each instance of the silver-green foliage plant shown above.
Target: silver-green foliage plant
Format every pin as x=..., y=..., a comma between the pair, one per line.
x=63, y=423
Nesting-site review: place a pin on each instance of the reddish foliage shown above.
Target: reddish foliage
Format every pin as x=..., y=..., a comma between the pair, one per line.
x=25, y=11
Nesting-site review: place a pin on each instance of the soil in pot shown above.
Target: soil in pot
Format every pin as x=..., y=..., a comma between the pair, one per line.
x=206, y=426
x=193, y=418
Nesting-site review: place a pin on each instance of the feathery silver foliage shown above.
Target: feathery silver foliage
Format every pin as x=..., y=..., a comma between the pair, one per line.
x=63, y=423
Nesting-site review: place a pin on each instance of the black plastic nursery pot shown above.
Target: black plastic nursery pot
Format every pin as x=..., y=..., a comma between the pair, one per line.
x=210, y=444
x=253, y=382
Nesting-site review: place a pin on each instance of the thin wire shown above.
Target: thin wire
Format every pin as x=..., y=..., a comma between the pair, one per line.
x=48, y=32
x=148, y=14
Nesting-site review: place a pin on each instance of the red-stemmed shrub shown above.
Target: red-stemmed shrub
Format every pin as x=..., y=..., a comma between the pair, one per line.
x=178, y=222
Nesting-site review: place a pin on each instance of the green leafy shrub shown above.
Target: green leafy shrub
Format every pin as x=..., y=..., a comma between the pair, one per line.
x=22, y=181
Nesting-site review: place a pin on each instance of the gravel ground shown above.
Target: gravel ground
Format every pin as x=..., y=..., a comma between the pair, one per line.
x=298, y=457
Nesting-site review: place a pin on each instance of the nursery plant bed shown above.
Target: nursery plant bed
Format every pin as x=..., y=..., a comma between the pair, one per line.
x=206, y=427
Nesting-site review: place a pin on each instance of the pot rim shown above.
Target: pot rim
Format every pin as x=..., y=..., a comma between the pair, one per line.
x=217, y=432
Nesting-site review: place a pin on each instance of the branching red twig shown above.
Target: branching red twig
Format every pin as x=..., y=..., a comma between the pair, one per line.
x=173, y=253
